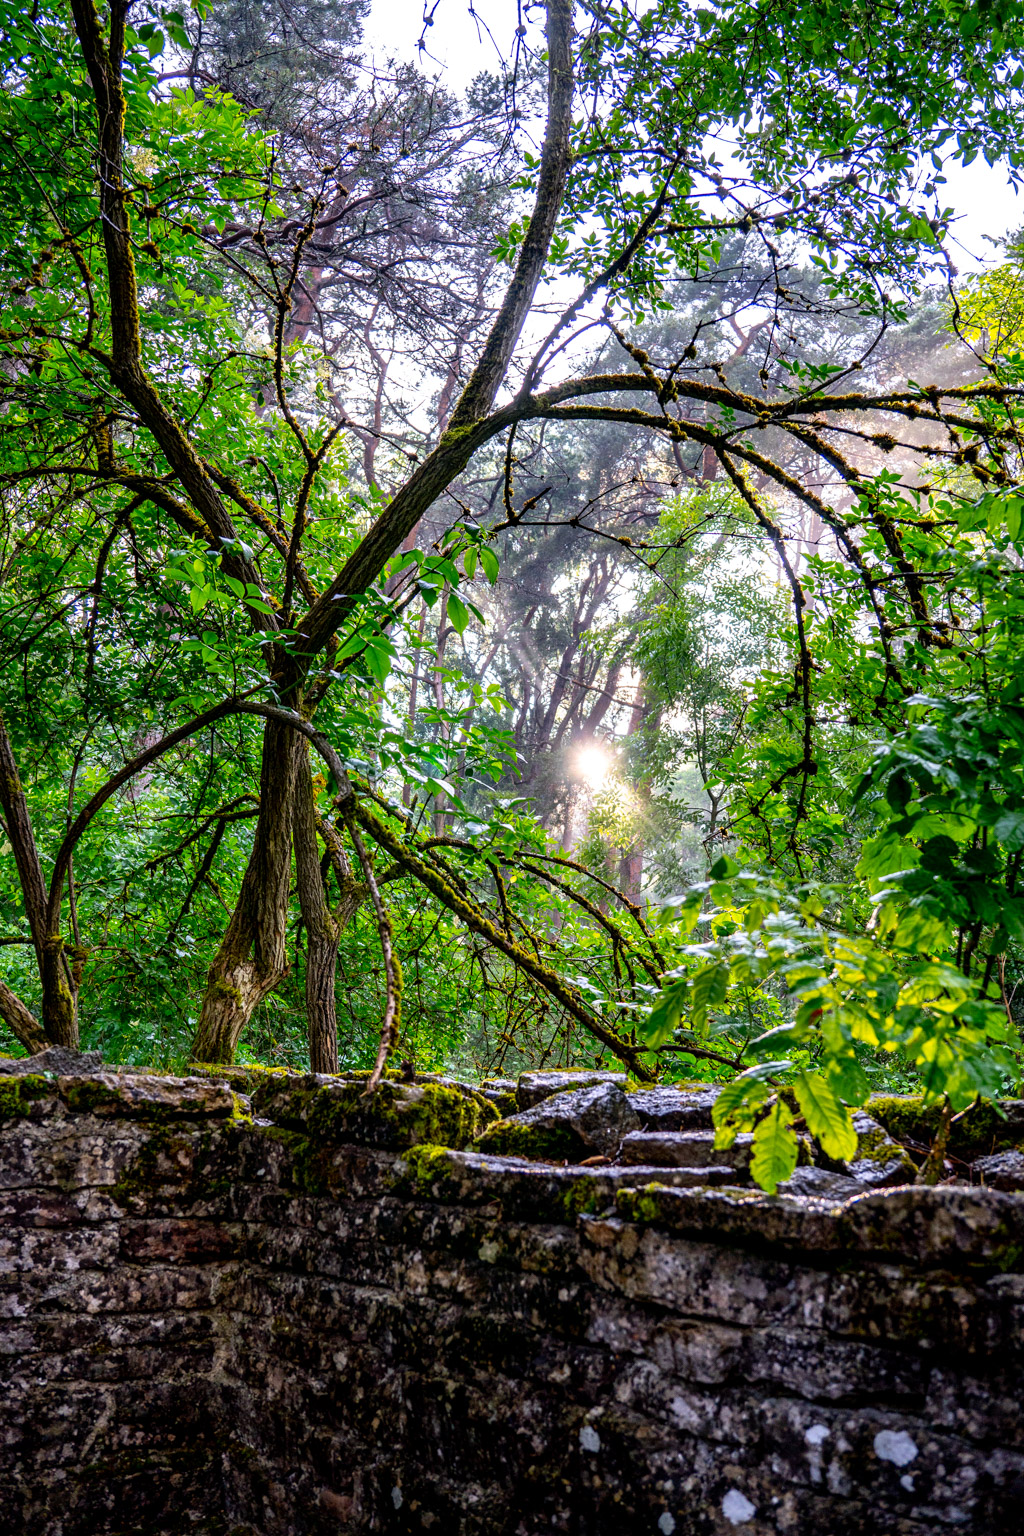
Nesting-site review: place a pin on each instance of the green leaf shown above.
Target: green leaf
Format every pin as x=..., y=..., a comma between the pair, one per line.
x=826, y=1118
x=489, y=562
x=664, y=1018
x=920, y=932
x=775, y=1148
x=736, y=1107
x=378, y=661
x=458, y=613
x=848, y=1078
x=1010, y=830
x=899, y=790
x=710, y=990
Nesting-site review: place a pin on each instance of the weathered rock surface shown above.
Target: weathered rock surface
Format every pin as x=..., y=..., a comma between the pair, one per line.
x=674, y=1109
x=880, y=1161
x=821, y=1183
x=1002, y=1170
x=683, y=1149
x=325, y=1323
x=502, y=1092
x=59, y=1058
x=571, y=1125
x=532, y=1087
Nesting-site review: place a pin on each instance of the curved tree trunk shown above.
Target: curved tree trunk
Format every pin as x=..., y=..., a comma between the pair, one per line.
x=252, y=957
x=21, y=1021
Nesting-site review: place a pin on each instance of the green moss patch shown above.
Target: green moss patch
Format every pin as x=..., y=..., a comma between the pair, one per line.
x=545, y=1143
x=244, y=1077
x=981, y=1130
x=429, y=1171
x=639, y=1205
x=397, y=1116
x=19, y=1094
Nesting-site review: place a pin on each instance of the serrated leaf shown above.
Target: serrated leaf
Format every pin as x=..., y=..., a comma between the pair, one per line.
x=848, y=1078
x=775, y=1149
x=710, y=990
x=737, y=1105
x=827, y=1119
x=663, y=1020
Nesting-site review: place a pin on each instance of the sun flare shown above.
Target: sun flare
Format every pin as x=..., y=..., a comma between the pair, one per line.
x=593, y=764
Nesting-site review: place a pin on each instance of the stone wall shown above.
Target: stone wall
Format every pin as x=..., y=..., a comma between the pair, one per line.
x=280, y=1312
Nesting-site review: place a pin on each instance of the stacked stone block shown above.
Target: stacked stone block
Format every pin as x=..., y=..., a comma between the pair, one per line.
x=266, y=1306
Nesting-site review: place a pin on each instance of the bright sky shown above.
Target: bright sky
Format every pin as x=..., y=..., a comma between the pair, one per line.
x=458, y=46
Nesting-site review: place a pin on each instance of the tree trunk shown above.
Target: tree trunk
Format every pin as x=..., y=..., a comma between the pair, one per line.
x=60, y=1013
x=253, y=956
x=21, y=1022
x=322, y=930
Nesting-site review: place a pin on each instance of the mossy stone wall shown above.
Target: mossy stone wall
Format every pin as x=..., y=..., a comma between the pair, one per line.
x=263, y=1305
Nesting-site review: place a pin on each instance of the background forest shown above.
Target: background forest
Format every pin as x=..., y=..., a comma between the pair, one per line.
x=528, y=575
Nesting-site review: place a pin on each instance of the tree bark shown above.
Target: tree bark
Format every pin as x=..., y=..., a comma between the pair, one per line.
x=323, y=931
x=21, y=1021
x=60, y=1014
x=252, y=958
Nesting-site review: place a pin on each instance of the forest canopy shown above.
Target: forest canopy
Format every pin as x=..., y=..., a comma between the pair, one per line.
x=522, y=574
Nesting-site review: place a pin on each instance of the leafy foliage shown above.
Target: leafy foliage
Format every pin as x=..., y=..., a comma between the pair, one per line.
x=804, y=612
